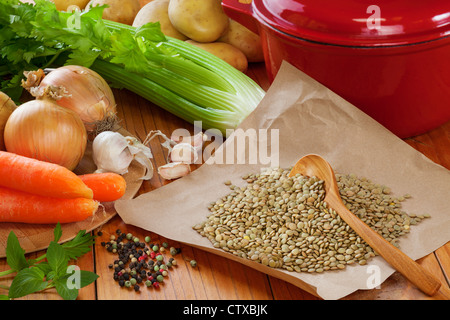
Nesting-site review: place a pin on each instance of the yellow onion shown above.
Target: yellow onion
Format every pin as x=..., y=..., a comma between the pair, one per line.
x=7, y=106
x=42, y=130
x=88, y=94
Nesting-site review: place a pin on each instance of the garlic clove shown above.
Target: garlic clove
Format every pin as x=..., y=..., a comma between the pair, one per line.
x=174, y=170
x=196, y=140
x=184, y=152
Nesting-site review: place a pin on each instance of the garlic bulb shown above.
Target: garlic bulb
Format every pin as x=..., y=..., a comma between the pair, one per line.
x=112, y=152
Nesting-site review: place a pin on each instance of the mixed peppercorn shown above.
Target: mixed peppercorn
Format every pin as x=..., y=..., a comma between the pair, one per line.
x=139, y=262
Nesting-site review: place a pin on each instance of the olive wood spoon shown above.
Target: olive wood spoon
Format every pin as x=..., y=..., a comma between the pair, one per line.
x=314, y=165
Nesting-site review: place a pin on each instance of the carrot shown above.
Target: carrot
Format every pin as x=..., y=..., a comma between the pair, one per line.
x=40, y=177
x=19, y=206
x=106, y=186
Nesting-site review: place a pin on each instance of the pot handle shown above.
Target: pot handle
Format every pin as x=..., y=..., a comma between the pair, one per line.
x=241, y=11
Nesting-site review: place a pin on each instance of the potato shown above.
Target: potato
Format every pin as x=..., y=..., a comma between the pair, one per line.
x=157, y=11
x=62, y=5
x=123, y=11
x=199, y=20
x=226, y=52
x=245, y=40
x=144, y=2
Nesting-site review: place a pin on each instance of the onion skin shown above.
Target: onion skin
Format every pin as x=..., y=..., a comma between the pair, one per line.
x=89, y=95
x=42, y=130
x=7, y=106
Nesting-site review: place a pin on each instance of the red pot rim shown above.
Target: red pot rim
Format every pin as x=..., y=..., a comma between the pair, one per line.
x=357, y=23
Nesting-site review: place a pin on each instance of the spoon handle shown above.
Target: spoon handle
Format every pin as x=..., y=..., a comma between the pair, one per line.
x=410, y=269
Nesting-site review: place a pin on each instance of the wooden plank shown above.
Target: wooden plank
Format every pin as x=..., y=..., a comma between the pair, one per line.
x=443, y=257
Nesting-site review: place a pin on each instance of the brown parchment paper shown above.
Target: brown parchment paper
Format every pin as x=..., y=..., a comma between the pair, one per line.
x=310, y=119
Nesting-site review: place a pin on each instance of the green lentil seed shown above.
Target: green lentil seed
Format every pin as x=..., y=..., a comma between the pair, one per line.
x=283, y=222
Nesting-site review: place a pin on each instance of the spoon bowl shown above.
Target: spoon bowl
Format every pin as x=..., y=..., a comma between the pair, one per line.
x=314, y=165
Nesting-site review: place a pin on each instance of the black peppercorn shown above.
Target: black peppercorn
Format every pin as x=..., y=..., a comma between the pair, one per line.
x=121, y=283
x=136, y=287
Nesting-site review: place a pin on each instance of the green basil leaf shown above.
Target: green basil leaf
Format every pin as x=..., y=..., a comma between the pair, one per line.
x=57, y=232
x=87, y=278
x=64, y=291
x=27, y=281
x=15, y=255
x=57, y=258
x=79, y=278
x=46, y=269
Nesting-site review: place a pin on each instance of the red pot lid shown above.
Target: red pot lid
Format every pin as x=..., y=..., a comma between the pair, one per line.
x=358, y=22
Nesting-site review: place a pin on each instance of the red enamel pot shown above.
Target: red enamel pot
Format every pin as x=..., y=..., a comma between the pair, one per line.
x=391, y=59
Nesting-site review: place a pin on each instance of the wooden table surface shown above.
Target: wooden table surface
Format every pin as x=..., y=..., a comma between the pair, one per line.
x=216, y=277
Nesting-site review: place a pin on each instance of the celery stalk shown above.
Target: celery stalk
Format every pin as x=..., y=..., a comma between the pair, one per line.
x=168, y=100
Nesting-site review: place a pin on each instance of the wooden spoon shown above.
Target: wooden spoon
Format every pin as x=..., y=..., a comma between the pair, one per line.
x=314, y=165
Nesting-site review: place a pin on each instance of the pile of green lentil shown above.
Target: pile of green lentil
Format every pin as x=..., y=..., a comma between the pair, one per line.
x=284, y=222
